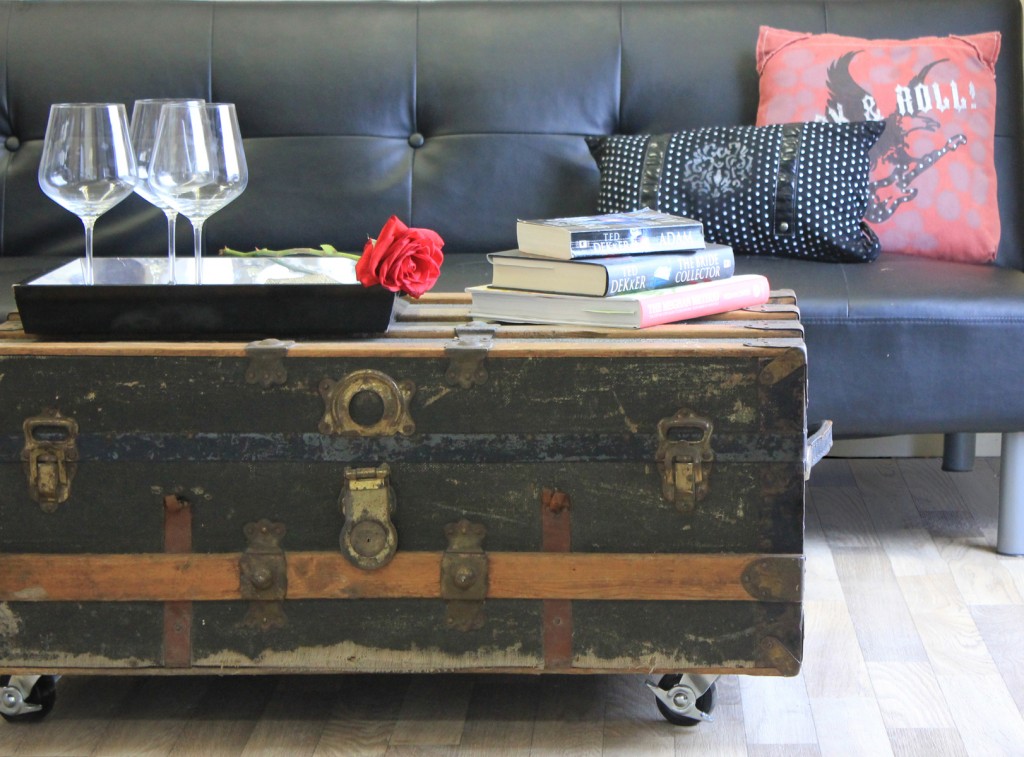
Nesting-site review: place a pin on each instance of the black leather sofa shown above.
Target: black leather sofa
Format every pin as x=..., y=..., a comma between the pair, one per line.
x=463, y=116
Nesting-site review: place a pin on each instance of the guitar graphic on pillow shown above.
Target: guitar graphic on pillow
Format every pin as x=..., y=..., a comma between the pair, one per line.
x=894, y=168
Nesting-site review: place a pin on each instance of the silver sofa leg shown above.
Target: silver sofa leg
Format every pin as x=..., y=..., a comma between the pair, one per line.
x=1010, y=540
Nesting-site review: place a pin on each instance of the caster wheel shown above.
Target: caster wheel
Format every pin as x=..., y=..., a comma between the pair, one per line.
x=43, y=694
x=705, y=702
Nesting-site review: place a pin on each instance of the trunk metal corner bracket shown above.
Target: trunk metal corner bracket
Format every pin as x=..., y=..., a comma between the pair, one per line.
x=467, y=354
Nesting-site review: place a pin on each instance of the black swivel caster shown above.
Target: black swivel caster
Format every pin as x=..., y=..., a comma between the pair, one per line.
x=685, y=700
x=27, y=699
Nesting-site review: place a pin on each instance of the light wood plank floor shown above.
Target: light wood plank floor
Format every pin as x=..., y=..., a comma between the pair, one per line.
x=914, y=646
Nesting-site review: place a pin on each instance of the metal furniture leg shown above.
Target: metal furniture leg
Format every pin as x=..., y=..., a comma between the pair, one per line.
x=958, y=451
x=1010, y=540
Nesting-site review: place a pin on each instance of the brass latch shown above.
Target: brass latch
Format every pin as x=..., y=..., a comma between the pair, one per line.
x=50, y=458
x=369, y=538
x=464, y=575
x=367, y=403
x=467, y=354
x=684, y=458
x=263, y=575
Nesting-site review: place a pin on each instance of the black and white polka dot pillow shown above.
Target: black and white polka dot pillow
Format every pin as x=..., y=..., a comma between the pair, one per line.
x=793, y=190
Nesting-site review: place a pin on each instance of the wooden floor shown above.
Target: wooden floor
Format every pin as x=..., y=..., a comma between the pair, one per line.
x=914, y=646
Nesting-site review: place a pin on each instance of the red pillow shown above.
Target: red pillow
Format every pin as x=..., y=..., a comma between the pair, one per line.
x=933, y=176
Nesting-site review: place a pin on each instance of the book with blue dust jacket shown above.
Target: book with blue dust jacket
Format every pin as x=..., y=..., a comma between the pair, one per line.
x=611, y=275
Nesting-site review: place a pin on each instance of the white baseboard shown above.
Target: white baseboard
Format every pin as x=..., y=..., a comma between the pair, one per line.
x=909, y=445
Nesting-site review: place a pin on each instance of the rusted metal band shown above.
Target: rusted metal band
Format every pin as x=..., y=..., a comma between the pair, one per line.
x=556, y=508
x=177, y=634
x=555, y=521
x=557, y=634
x=177, y=615
x=177, y=525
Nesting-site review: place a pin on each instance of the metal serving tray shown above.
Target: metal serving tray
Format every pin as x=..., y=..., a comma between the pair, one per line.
x=270, y=297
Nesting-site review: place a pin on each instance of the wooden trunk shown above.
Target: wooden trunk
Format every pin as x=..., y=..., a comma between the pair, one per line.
x=439, y=498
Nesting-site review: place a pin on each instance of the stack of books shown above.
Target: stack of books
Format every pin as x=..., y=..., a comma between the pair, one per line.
x=633, y=270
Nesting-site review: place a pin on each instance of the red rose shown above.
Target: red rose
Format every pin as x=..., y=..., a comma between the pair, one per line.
x=401, y=259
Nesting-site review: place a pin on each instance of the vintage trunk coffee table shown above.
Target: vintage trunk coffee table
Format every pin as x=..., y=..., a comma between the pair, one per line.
x=449, y=496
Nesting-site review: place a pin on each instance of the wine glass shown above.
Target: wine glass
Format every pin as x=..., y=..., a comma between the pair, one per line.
x=198, y=164
x=145, y=118
x=88, y=164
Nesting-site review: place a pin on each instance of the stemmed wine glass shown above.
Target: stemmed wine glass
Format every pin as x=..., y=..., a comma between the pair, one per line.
x=88, y=164
x=198, y=164
x=145, y=118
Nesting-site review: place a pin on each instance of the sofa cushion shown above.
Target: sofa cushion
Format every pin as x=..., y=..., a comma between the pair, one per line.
x=933, y=173
x=795, y=190
x=925, y=341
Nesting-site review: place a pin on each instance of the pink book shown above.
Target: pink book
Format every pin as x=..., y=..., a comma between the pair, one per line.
x=634, y=310
x=709, y=298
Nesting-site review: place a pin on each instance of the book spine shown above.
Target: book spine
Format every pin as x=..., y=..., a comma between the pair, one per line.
x=642, y=273
x=710, y=299
x=635, y=241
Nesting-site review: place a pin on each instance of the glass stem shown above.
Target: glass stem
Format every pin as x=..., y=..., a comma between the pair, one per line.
x=172, y=218
x=197, y=229
x=88, y=222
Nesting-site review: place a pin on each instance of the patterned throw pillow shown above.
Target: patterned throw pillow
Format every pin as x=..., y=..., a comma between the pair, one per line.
x=933, y=179
x=795, y=190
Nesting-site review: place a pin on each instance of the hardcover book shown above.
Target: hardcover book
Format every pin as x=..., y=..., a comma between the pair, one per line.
x=636, y=310
x=633, y=233
x=611, y=275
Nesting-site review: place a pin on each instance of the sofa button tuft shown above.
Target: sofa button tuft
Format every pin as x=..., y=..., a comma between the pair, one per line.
x=416, y=140
x=12, y=143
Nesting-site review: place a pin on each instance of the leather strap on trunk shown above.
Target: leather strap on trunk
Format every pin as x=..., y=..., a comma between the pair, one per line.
x=177, y=615
x=557, y=537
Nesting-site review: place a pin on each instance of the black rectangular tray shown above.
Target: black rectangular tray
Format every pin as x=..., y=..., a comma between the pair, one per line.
x=252, y=297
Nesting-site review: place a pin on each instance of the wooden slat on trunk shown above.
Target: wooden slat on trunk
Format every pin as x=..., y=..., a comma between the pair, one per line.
x=326, y=575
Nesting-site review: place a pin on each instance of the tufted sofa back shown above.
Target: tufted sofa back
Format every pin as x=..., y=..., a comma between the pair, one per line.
x=460, y=116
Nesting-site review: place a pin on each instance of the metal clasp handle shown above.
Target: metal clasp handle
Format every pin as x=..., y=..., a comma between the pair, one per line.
x=818, y=445
x=50, y=457
x=369, y=539
x=684, y=458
